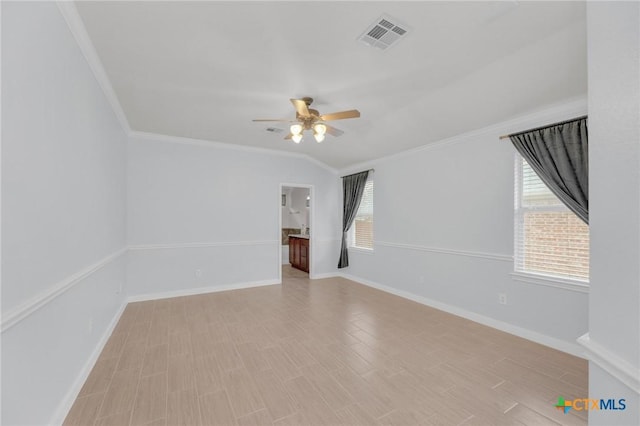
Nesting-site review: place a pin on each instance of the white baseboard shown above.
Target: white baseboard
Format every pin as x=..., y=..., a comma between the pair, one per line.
x=552, y=342
x=66, y=404
x=325, y=275
x=72, y=394
x=74, y=391
x=200, y=290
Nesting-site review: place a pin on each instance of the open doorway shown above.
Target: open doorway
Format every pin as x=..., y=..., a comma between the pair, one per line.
x=296, y=230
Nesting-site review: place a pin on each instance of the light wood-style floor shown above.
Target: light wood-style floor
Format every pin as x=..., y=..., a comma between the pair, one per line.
x=322, y=352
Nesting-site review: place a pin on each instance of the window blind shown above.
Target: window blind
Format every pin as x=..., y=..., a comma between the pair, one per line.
x=550, y=239
x=363, y=224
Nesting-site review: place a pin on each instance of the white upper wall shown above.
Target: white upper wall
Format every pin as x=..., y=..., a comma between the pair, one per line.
x=457, y=196
x=614, y=207
x=200, y=192
x=63, y=214
x=223, y=203
x=63, y=156
x=443, y=226
x=614, y=131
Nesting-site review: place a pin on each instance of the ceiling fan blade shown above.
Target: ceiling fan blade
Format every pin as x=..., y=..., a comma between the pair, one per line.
x=301, y=107
x=333, y=131
x=271, y=119
x=352, y=113
x=288, y=136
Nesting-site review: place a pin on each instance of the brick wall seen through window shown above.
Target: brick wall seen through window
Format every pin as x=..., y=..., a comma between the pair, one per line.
x=550, y=239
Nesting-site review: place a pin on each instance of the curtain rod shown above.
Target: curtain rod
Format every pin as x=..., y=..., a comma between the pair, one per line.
x=543, y=127
x=369, y=170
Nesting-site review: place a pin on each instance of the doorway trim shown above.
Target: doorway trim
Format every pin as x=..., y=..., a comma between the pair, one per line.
x=311, y=225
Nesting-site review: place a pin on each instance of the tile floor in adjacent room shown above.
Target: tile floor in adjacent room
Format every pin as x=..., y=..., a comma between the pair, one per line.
x=321, y=352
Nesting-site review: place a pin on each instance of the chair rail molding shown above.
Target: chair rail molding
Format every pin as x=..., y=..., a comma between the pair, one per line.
x=442, y=250
x=168, y=246
x=22, y=311
x=611, y=363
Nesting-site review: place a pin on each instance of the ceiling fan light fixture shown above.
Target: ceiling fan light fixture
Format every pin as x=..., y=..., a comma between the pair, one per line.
x=310, y=119
x=296, y=129
x=320, y=128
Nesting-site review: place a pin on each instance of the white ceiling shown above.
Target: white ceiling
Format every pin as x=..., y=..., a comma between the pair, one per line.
x=204, y=70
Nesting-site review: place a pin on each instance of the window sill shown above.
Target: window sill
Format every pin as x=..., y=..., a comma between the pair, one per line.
x=549, y=281
x=362, y=250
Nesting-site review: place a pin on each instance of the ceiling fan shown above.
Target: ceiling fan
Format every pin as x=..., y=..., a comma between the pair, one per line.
x=310, y=119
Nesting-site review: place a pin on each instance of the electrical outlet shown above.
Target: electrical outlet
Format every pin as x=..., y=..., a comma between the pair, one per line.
x=90, y=326
x=198, y=273
x=421, y=279
x=502, y=298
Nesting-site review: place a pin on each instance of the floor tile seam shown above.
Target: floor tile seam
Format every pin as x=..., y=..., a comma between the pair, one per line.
x=575, y=388
x=98, y=417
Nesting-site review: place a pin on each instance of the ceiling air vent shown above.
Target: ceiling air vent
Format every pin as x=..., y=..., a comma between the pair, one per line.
x=384, y=33
x=274, y=130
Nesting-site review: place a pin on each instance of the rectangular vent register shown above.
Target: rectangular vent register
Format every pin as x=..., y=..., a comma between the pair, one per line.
x=384, y=33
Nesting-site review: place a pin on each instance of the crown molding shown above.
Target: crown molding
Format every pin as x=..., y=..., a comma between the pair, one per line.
x=79, y=32
x=76, y=26
x=569, y=109
x=157, y=137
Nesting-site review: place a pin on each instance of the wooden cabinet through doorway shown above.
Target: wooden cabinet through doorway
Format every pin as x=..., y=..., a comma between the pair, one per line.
x=299, y=253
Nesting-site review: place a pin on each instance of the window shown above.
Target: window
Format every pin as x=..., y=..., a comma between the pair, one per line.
x=362, y=229
x=549, y=238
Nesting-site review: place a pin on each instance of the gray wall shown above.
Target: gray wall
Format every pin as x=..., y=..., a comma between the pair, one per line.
x=63, y=213
x=443, y=217
x=614, y=156
x=443, y=223
x=199, y=206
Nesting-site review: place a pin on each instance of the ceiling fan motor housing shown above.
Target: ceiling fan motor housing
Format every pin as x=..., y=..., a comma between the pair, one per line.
x=307, y=118
x=308, y=121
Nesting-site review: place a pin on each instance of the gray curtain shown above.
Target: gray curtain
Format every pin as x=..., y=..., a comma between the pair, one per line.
x=559, y=155
x=352, y=189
